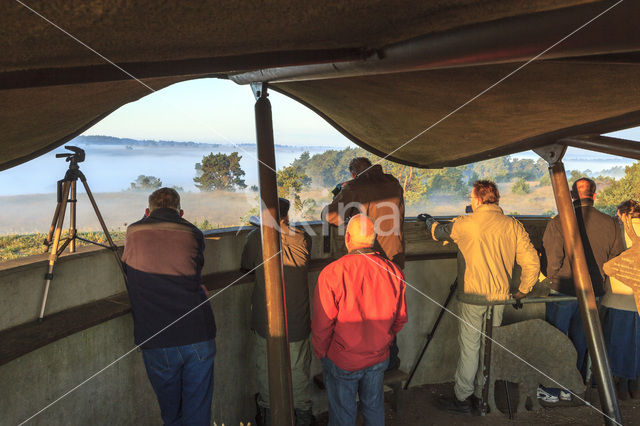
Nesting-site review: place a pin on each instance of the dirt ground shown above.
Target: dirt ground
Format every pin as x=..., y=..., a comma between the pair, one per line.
x=417, y=406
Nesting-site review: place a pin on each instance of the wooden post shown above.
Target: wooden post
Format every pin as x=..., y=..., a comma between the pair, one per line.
x=574, y=250
x=280, y=394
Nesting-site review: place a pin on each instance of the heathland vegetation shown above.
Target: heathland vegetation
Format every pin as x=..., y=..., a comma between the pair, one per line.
x=225, y=200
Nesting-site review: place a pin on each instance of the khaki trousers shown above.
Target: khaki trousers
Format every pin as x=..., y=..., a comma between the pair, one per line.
x=469, y=378
x=300, y=353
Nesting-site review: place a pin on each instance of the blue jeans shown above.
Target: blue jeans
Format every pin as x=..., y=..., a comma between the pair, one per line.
x=182, y=378
x=565, y=316
x=342, y=388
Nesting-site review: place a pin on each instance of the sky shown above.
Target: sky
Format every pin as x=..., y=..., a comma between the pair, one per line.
x=218, y=111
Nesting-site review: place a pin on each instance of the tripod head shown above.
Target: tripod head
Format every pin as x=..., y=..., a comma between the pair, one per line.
x=73, y=159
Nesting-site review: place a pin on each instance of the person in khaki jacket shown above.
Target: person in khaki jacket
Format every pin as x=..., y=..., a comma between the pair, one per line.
x=296, y=252
x=490, y=244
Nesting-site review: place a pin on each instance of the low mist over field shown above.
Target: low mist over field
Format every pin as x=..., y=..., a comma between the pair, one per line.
x=217, y=184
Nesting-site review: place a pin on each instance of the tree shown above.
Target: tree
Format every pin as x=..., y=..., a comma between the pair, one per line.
x=145, y=183
x=291, y=181
x=520, y=186
x=574, y=175
x=447, y=181
x=621, y=190
x=219, y=171
x=545, y=180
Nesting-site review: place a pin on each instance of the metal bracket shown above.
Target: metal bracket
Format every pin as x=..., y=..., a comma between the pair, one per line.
x=551, y=153
x=259, y=90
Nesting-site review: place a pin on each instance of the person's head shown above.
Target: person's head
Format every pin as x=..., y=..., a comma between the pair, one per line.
x=629, y=208
x=484, y=192
x=360, y=233
x=283, y=208
x=164, y=198
x=583, y=188
x=358, y=165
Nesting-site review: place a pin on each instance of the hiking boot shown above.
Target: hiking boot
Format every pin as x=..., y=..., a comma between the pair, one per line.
x=453, y=405
x=634, y=389
x=622, y=389
x=546, y=395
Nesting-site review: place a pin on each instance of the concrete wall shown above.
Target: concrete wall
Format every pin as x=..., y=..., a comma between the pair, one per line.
x=122, y=395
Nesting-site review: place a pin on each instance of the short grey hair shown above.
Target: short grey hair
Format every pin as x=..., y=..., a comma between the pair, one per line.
x=164, y=198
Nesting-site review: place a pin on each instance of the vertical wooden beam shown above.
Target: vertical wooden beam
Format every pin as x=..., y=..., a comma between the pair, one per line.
x=574, y=250
x=280, y=393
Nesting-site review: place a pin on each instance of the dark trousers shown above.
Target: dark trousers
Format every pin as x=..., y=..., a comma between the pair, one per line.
x=182, y=378
x=565, y=316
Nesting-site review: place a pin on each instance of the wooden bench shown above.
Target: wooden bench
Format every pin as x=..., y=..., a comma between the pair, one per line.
x=392, y=379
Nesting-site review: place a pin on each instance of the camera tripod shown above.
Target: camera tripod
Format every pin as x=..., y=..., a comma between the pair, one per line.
x=67, y=195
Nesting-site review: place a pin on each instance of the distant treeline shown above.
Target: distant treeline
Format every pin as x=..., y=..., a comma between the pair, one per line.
x=111, y=140
x=332, y=167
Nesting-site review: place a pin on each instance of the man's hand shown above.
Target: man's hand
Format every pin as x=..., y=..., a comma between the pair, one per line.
x=424, y=217
x=206, y=292
x=519, y=295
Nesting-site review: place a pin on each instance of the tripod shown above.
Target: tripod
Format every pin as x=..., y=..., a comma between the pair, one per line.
x=67, y=195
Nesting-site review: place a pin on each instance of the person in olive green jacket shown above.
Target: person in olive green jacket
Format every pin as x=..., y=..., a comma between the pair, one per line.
x=296, y=252
x=490, y=245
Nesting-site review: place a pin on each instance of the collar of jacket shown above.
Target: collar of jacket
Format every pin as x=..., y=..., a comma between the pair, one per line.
x=371, y=171
x=364, y=250
x=165, y=213
x=489, y=207
x=583, y=202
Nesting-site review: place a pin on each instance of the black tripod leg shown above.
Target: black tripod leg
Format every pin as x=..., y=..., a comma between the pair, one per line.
x=452, y=291
x=72, y=217
x=113, y=246
x=53, y=255
x=506, y=391
x=486, y=365
x=55, y=217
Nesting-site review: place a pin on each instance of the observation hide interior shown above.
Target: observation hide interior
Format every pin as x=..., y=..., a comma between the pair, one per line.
x=52, y=87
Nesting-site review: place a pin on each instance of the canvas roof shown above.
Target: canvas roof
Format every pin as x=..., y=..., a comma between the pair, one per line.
x=57, y=76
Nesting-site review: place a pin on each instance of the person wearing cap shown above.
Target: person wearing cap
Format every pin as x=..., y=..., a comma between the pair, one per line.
x=296, y=252
x=358, y=308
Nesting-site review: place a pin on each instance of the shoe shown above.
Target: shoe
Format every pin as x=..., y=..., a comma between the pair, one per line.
x=453, y=405
x=565, y=395
x=475, y=402
x=622, y=389
x=544, y=395
x=305, y=418
x=634, y=389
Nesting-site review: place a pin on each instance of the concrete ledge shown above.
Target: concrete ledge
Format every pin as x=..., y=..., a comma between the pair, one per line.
x=22, y=339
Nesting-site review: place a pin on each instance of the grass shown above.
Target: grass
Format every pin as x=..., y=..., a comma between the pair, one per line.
x=15, y=246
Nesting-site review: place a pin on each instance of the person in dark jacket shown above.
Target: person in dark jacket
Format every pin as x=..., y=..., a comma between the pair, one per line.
x=602, y=240
x=296, y=252
x=173, y=321
x=379, y=196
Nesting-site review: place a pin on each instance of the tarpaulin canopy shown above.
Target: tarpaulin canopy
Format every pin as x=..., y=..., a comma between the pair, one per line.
x=445, y=75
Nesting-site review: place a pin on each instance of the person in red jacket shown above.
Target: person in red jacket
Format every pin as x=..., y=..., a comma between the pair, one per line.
x=358, y=308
